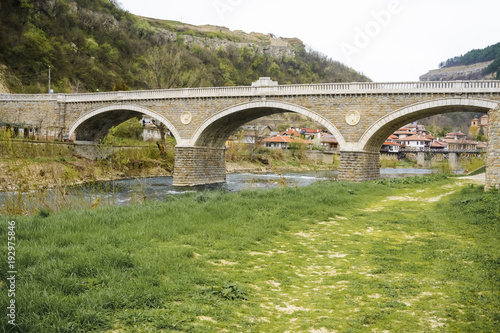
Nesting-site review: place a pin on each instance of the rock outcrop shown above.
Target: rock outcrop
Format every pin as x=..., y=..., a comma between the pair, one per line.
x=470, y=72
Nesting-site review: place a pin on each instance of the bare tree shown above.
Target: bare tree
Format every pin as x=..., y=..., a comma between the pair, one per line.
x=168, y=66
x=163, y=132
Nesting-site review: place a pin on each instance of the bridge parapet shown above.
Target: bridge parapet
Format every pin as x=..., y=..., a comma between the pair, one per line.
x=441, y=151
x=450, y=87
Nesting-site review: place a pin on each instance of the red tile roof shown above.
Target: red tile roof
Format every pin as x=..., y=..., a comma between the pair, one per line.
x=437, y=144
x=311, y=130
x=415, y=138
x=294, y=131
x=329, y=139
x=287, y=139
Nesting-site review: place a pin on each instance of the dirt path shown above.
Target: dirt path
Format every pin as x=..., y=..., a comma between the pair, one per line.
x=323, y=270
x=479, y=179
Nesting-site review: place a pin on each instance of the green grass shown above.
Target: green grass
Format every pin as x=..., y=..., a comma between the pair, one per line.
x=478, y=171
x=420, y=255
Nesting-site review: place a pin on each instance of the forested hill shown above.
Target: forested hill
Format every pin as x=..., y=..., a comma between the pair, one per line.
x=490, y=53
x=474, y=65
x=477, y=64
x=93, y=44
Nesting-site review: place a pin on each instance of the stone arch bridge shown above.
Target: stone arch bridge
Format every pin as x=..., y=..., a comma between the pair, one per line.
x=360, y=115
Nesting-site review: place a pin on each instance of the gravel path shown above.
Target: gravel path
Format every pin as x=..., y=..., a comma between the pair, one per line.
x=481, y=178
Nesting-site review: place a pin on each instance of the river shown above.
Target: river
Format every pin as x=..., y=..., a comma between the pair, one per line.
x=123, y=192
x=157, y=188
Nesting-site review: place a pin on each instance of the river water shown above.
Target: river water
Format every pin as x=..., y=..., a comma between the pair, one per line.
x=157, y=188
x=123, y=192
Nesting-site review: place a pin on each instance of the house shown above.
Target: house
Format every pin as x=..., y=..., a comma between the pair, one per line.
x=329, y=142
x=403, y=132
x=461, y=144
x=249, y=134
x=416, y=142
x=391, y=138
x=150, y=131
x=254, y=133
x=459, y=141
x=390, y=147
x=311, y=133
x=283, y=142
x=482, y=146
x=410, y=130
x=455, y=136
x=439, y=145
x=295, y=132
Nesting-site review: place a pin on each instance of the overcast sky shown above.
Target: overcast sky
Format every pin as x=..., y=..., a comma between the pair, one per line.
x=387, y=40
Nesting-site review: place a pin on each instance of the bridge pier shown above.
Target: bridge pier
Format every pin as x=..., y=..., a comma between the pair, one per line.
x=359, y=166
x=493, y=152
x=422, y=161
x=199, y=166
x=453, y=161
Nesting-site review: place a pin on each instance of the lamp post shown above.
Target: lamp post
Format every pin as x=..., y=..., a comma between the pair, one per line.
x=49, y=79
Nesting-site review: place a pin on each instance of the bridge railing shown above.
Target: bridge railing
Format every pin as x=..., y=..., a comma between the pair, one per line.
x=277, y=90
x=441, y=151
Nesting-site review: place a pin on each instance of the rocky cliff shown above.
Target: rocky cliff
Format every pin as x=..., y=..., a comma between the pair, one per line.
x=215, y=37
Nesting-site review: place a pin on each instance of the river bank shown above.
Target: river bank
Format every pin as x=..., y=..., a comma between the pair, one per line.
x=381, y=256
x=55, y=171
x=39, y=174
x=45, y=173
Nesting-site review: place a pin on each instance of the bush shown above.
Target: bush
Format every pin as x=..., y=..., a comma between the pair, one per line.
x=130, y=129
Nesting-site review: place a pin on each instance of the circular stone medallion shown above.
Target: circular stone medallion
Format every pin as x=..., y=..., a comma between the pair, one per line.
x=186, y=118
x=352, y=117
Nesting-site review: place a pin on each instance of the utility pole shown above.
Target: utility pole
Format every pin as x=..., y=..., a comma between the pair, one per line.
x=49, y=79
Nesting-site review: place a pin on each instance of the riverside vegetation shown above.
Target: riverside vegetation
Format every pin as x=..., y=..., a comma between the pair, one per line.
x=405, y=255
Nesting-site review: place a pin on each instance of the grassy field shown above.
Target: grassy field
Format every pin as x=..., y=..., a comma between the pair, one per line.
x=403, y=255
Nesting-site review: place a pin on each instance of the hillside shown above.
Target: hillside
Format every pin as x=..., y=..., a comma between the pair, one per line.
x=94, y=45
x=463, y=72
x=479, y=64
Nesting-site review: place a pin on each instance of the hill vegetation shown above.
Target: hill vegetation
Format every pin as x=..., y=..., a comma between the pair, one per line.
x=490, y=53
x=478, y=64
x=94, y=45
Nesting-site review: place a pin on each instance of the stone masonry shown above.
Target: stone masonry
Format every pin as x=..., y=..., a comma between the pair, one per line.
x=199, y=165
x=359, y=166
x=493, y=153
x=360, y=116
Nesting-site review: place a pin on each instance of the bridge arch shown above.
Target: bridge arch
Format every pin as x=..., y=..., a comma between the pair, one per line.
x=98, y=122
x=214, y=131
x=376, y=134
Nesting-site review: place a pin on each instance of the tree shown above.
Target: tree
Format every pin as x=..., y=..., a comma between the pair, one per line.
x=169, y=66
x=480, y=136
x=163, y=132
